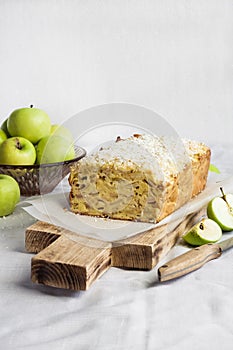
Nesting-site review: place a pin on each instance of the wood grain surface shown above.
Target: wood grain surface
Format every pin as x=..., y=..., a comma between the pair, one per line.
x=66, y=259
x=189, y=261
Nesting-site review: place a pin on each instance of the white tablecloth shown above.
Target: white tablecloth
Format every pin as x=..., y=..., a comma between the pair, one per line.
x=122, y=310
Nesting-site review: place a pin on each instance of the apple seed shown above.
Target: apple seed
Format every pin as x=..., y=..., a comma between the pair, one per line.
x=201, y=226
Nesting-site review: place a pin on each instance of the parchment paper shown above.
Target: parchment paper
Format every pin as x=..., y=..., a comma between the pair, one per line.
x=54, y=208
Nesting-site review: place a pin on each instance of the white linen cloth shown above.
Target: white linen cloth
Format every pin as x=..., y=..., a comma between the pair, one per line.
x=122, y=310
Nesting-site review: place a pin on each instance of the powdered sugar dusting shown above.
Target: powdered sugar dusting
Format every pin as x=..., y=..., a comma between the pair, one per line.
x=164, y=156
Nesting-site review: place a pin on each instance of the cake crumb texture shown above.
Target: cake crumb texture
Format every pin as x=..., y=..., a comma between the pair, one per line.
x=141, y=178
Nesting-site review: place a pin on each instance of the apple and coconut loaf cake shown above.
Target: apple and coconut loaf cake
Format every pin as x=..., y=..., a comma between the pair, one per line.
x=141, y=178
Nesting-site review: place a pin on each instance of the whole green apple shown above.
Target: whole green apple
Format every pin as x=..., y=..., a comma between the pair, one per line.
x=9, y=194
x=4, y=128
x=17, y=151
x=31, y=123
x=3, y=136
x=53, y=149
x=60, y=130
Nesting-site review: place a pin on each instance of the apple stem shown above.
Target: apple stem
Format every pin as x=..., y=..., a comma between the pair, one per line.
x=18, y=144
x=223, y=194
x=224, y=198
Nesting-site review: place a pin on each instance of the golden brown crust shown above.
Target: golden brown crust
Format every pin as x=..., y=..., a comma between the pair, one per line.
x=200, y=168
x=125, y=191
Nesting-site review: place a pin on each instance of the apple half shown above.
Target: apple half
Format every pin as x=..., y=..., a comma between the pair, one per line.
x=220, y=209
x=206, y=231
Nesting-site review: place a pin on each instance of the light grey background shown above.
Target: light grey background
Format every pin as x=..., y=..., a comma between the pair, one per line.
x=174, y=57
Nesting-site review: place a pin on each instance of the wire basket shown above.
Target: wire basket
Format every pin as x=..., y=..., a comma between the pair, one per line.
x=40, y=178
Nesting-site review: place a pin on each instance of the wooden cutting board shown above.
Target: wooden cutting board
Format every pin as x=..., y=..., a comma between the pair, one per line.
x=69, y=260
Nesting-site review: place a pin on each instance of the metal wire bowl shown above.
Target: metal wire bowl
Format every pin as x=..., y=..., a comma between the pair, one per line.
x=40, y=178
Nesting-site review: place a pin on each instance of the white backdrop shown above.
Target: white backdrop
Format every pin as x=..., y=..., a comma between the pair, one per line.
x=175, y=57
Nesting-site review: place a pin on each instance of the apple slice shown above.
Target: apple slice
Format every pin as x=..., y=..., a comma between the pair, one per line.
x=206, y=231
x=220, y=209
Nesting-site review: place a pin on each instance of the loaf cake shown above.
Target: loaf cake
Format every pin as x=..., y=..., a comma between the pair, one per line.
x=141, y=178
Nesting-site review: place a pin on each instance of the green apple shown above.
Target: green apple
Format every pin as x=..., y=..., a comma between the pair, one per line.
x=220, y=209
x=3, y=136
x=17, y=151
x=206, y=231
x=9, y=194
x=4, y=128
x=52, y=149
x=31, y=123
x=60, y=130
